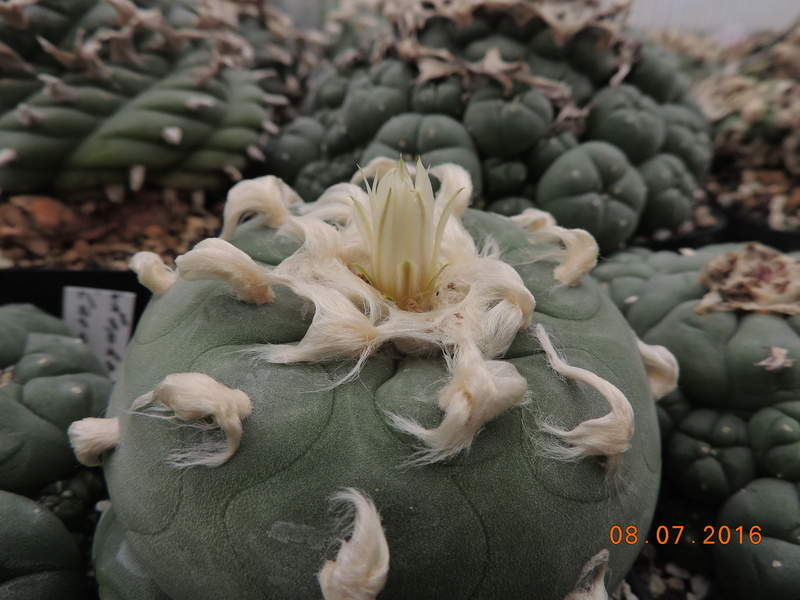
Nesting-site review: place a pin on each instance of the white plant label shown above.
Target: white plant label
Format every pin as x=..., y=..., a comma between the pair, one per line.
x=103, y=319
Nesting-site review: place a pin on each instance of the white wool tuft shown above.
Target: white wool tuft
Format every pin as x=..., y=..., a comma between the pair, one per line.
x=362, y=563
x=335, y=205
x=661, y=367
x=376, y=168
x=266, y=196
x=152, y=272
x=193, y=397
x=216, y=259
x=577, y=257
x=455, y=182
x=591, y=584
x=533, y=219
x=91, y=438
x=608, y=436
x=478, y=391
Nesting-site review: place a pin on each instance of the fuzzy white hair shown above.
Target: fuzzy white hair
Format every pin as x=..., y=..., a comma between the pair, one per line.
x=661, y=367
x=362, y=563
x=190, y=399
x=609, y=435
x=152, y=272
x=91, y=438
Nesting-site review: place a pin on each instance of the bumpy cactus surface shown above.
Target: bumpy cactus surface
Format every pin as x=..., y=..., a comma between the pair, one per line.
x=39, y=560
x=117, y=93
x=731, y=316
x=488, y=414
x=508, y=90
x=770, y=567
x=48, y=379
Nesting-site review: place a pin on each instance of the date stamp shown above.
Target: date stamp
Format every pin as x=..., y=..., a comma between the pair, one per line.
x=672, y=535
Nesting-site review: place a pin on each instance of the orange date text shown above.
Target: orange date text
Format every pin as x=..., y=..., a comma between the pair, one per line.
x=664, y=535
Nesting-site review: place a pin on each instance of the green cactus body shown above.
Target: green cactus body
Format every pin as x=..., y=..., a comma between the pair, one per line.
x=504, y=178
x=118, y=95
x=709, y=456
x=39, y=559
x=763, y=556
x=300, y=145
x=522, y=88
x=49, y=380
x=688, y=137
x=717, y=351
x=658, y=75
x=507, y=127
x=443, y=96
x=369, y=105
x=671, y=191
x=594, y=187
x=72, y=499
x=438, y=139
x=504, y=519
x=731, y=433
x=775, y=437
x=547, y=151
x=629, y=120
x=659, y=293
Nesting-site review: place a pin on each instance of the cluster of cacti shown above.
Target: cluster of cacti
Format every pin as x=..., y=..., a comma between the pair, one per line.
x=118, y=93
x=731, y=432
x=48, y=379
x=546, y=104
x=751, y=96
x=484, y=408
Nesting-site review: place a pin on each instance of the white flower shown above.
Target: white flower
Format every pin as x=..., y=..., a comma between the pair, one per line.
x=402, y=235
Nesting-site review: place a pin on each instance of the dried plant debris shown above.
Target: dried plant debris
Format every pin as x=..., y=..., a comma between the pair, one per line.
x=44, y=232
x=754, y=279
x=767, y=196
x=749, y=88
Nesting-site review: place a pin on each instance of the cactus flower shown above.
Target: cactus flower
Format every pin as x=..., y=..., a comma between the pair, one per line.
x=403, y=235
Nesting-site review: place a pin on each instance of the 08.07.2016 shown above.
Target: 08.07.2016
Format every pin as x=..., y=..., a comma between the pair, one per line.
x=672, y=535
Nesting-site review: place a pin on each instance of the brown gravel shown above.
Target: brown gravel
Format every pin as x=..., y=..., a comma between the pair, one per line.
x=44, y=232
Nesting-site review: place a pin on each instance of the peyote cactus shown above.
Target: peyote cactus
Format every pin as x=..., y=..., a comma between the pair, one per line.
x=115, y=93
x=731, y=316
x=769, y=568
x=447, y=372
x=48, y=379
x=512, y=92
x=39, y=560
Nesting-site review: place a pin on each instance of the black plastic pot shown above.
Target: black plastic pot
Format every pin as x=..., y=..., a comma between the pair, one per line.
x=716, y=234
x=45, y=288
x=744, y=229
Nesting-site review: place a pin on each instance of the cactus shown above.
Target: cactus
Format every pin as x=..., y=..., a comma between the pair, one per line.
x=511, y=87
x=114, y=94
x=767, y=564
x=729, y=314
x=477, y=417
x=48, y=379
x=39, y=560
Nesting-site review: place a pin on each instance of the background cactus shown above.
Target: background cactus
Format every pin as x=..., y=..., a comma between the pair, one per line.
x=115, y=94
x=49, y=380
x=39, y=559
x=729, y=314
x=525, y=87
